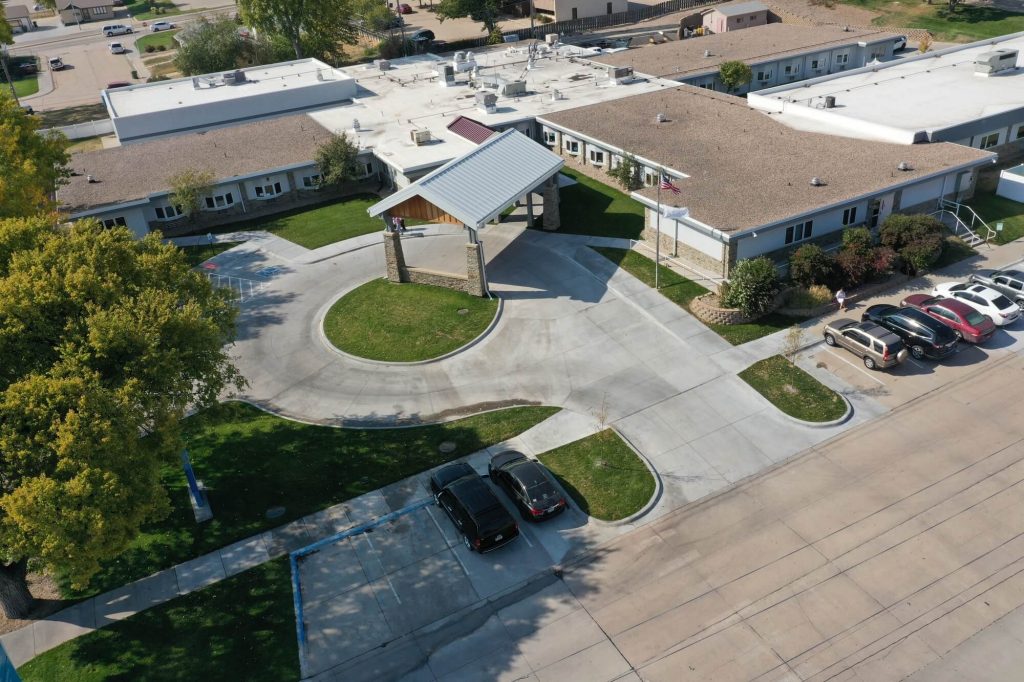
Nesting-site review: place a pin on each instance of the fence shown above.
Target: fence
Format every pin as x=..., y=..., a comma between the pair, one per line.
x=571, y=27
x=89, y=129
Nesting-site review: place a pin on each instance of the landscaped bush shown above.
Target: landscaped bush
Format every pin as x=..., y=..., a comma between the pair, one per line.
x=917, y=239
x=150, y=48
x=753, y=286
x=859, y=260
x=811, y=265
x=809, y=297
x=161, y=48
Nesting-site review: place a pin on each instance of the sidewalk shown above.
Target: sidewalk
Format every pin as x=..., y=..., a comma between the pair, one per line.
x=97, y=612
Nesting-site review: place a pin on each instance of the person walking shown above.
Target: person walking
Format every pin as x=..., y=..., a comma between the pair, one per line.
x=841, y=298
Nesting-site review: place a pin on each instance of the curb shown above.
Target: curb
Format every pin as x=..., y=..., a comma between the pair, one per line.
x=322, y=315
x=822, y=425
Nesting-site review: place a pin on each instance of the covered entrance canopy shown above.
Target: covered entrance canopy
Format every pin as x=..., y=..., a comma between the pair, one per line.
x=472, y=190
x=475, y=188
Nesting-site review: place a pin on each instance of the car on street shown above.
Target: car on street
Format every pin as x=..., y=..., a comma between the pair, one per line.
x=424, y=35
x=404, y=8
x=923, y=335
x=161, y=26
x=473, y=507
x=116, y=48
x=27, y=108
x=1010, y=283
x=876, y=346
x=966, y=322
x=116, y=30
x=528, y=483
x=1002, y=310
x=56, y=63
x=899, y=43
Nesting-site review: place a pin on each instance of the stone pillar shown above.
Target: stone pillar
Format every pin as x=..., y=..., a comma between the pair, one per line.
x=394, y=259
x=474, y=271
x=552, y=214
x=731, y=249
x=557, y=147
x=529, y=208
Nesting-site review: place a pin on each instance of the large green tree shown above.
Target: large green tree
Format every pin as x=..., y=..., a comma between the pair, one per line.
x=31, y=165
x=210, y=46
x=6, y=34
x=734, y=74
x=313, y=27
x=105, y=342
x=484, y=11
x=338, y=160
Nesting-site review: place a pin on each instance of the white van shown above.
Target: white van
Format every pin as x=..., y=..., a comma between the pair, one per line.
x=116, y=30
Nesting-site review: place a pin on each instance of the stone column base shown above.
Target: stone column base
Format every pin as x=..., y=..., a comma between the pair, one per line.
x=552, y=212
x=474, y=271
x=394, y=258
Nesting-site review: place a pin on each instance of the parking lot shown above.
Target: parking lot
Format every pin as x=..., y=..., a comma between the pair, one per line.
x=369, y=589
x=87, y=70
x=913, y=378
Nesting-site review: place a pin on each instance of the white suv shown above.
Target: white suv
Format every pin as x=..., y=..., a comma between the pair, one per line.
x=116, y=30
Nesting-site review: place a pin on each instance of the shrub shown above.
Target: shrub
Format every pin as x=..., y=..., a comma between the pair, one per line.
x=544, y=18
x=161, y=48
x=857, y=238
x=809, y=297
x=753, y=286
x=916, y=238
x=921, y=254
x=150, y=48
x=495, y=38
x=855, y=264
x=811, y=265
x=392, y=48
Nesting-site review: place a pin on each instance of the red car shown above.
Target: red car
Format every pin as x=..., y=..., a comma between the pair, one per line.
x=970, y=325
x=404, y=9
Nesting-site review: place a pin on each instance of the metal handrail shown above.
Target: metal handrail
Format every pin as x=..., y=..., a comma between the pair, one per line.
x=975, y=218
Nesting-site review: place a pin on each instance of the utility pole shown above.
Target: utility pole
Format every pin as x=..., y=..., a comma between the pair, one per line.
x=7, y=75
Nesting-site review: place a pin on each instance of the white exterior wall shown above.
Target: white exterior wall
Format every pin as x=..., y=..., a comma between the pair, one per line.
x=708, y=245
x=587, y=8
x=925, y=191
x=134, y=217
x=263, y=181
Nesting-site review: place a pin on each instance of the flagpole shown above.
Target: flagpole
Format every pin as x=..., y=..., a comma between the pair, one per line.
x=657, y=243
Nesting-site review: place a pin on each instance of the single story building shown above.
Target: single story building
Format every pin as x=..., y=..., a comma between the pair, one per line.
x=74, y=12
x=19, y=18
x=129, y=186
x=776, y=54
x=971, y=94
x=183, y=105
x=566, y=10
x=733, y=16
x=753, y=186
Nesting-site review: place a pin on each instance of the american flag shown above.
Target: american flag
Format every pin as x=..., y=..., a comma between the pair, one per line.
x=667, y=184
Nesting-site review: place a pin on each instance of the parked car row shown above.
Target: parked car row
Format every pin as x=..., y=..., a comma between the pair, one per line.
x=931, y=325
x=476, y=511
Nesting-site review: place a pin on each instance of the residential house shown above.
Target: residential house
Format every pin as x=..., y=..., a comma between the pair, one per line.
x=776, y=54
x=565, y=10
x=19, y=18
x=74, y=12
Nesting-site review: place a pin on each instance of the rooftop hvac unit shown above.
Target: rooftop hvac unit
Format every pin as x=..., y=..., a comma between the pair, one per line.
x=487, y=102
x=381, y=64
x=420, y=137
x=830, y=102
x=513, y=88
x=620, y=74
x=996, y=61
x=446, y=75
x=235, y=77
x=551, y=39
x=463, y=61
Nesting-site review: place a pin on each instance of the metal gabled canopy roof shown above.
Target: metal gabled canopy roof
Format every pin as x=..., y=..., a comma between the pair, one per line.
x=478, y=186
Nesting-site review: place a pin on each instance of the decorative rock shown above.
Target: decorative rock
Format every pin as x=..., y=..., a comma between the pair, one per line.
x=463, y=311
x=447, y=447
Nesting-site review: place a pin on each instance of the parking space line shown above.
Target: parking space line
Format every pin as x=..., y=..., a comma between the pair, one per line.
x=383, y=570
x=915, y=363
x=525, y=537
x=454, y=552
x=859, y=369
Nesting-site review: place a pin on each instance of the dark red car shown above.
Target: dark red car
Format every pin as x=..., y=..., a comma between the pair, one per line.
x=970, y=325
x=404, y=9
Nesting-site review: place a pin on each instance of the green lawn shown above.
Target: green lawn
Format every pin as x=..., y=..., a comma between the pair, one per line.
x=251, y=461
x=966, y=23
x=681, y=291
x=320, y=225
x=242, y=628
x=954, y=250
x=995, y=209
x=82, y=113
x=146, y=10
x=591, y=207
x=793, y=390
x=603, y=475
x=204, y=252
x=382, y=320
x=26, y=85
x=165, y=38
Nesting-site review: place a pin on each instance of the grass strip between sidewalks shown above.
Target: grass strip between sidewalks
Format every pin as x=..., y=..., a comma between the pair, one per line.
x=793, y=390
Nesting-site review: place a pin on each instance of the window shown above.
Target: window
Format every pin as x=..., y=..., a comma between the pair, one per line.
x=710, y=85
x=168, y=212
x=575, y=14
x=739, y=20
x=857, y=337
x=815, y=64
x=764, y=75
x=367, y=168
x=267, y=191
x=220, y=200
x=596, y=157
x=609, y=8
x=572, y=146
x=792, y=69
x=799, y=232
x=650, y=178
x=1020, y=133
x=990, y=140
x=850, y=216
x=311, y=181
x=842, y=58
x=111, y=222
x=550, y=137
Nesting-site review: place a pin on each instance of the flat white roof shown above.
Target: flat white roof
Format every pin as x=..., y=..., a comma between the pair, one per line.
x=904, y=100
x=390, y=104
x=147, y=98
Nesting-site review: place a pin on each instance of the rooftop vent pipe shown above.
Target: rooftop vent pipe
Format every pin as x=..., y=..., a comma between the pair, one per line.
x=904, y=166
x=817, y=182
x=660, y=118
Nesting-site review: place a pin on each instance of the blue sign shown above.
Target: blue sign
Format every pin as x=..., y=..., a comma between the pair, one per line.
x=193, y=486
x=7, y=671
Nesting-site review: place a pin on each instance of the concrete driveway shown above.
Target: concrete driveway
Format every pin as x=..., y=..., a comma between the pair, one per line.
x=88, y=70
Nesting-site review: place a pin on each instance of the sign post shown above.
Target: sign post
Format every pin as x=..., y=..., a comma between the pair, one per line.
x=200, y=505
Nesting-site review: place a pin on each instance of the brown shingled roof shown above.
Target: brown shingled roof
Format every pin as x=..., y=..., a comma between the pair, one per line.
x=685, y=58
x=17, y=12
x=747, y=170
x=135, y=171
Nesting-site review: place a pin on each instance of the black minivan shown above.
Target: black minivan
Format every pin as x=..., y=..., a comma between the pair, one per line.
x=475, y=510
x=923, y=335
